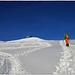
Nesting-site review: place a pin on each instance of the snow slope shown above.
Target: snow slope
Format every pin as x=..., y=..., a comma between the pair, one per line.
x=33, y=55
x=67, y=60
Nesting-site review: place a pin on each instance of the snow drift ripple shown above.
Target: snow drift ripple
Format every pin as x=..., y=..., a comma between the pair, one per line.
x=67, y=61
x=10, y=65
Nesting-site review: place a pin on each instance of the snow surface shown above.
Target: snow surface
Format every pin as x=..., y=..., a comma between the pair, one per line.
x=33, y=55
x=37, y=0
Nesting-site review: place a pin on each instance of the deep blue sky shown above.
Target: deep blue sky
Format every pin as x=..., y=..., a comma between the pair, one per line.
x=47, y=20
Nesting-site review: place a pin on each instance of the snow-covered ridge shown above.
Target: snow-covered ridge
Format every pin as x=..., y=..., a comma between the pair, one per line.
x=25, y=43
x=28, y=39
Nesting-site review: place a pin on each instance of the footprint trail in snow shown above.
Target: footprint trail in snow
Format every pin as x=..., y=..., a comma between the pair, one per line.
x=67, y=61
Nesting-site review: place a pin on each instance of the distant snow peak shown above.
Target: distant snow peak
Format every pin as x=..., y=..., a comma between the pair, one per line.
x=34, y=38
x=28, y=39
x=32, y=42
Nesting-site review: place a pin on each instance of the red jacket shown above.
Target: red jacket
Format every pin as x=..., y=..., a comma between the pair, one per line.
x=67, y=41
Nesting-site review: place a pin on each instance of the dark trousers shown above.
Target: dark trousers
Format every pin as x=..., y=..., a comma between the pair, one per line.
x=67, y=45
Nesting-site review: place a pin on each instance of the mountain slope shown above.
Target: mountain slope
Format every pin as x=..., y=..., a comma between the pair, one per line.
x=36, y=56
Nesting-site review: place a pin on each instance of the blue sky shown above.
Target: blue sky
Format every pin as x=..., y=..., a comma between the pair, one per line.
x=46, y=20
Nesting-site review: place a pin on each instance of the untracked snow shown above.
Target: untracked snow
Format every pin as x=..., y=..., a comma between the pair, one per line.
x=33, y=55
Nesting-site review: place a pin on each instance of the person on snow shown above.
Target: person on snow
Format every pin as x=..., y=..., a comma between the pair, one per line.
x=66, y=37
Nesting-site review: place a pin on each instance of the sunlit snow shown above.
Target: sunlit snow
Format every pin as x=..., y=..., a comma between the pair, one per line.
x=36, y=56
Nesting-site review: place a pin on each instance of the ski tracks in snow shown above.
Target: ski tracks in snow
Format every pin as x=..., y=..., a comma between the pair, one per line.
x=10, y=65
x=36, y=46
x=67, y=61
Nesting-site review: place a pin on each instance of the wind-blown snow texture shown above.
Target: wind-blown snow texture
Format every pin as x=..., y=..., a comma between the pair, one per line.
x=33, y=55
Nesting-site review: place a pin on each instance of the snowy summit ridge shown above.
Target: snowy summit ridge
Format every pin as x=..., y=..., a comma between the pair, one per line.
x=28, y=39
